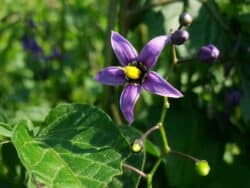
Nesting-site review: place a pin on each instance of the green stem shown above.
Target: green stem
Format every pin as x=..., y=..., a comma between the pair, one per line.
x=116, y=114
x=175, y=59
x=107, y=51
x=161, y=128
x=152, y=172
x=164, y=138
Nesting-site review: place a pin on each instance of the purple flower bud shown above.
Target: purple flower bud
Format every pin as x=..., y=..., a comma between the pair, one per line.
x=56, y=53
x=233, y=97
x=208, y=54
x=30, y=44
x=179, y=37
x=185, y=19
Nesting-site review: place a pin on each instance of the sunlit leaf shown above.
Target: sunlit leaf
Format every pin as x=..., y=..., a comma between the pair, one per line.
x=78, y=147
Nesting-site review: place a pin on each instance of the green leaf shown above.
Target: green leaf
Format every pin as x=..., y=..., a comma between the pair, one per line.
x=5, y=130
x=78, y=147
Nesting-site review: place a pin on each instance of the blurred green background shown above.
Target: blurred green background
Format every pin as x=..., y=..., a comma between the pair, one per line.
x=50, y=51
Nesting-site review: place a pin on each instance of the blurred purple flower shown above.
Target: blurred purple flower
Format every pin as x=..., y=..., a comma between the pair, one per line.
x=30, y=44
x=135, y=72
x=233, y=97
x=208, y=54
x=56, y=54
x=179, y=37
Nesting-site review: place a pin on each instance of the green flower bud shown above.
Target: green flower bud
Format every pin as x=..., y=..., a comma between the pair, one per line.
x=185, y=19
x=138, y=145
x=202, y=167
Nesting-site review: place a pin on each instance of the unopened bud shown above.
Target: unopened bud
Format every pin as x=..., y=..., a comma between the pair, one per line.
x=185, y=19
x=138, y=145
x=208, y=54
x=233, y=97
x=202, y=167
x=179, y=37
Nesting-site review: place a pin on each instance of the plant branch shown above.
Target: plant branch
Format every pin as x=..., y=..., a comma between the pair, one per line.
x=132, y=168
x=160, y=124
x=183, y=155
x=152, y=172
x=149, y=131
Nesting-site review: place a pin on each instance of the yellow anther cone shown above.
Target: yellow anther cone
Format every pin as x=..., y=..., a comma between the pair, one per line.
x=132, y=72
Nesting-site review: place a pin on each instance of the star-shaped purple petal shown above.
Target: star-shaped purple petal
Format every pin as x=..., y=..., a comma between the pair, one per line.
x=123, y=49
x=111, y=76
x=152, y=50
x=129, y=96
x=148, y=80
x=154, y=83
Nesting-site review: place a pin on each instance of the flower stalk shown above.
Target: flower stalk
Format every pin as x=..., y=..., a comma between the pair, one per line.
x=161, y=127
x=149, y=131
x=183, y=155
x=152, y=172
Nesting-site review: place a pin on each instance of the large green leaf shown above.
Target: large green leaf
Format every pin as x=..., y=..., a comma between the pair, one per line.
x=78, y=147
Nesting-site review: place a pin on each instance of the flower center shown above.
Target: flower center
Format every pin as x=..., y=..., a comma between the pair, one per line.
x=132, y=72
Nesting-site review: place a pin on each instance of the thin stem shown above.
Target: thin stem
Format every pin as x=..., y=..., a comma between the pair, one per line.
x=164, y=110
x=116, y=114
x=183, y=155
x=152, y=172
x=175, y=59
x=160, y=124
x=164, y=138
x=107, y=51
x=149, y=131
x=132, y=168
x=112, y=14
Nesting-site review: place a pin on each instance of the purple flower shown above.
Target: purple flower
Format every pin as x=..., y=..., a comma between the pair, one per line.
x=208, y=54
x=135, y=72
x=233, y=97
x=30, y=44
x=56, y=54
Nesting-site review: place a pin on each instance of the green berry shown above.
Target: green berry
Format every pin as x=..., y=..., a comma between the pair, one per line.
x=202, y=167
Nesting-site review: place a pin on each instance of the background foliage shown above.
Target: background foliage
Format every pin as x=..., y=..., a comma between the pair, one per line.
x=50, y=51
